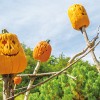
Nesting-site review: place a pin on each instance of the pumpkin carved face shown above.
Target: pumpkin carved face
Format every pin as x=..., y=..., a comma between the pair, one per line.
x=42, y=51
x=9, y=44
x=78, y=16
x=12, y=57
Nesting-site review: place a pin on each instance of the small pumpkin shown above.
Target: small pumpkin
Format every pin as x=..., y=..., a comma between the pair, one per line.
x=17, y=80
x=78, y=16
x=12, y=56
x=42, y=51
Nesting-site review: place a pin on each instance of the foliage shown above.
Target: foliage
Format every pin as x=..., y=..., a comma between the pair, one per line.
x=1, y=91
x=86, y=87
x=21, y=97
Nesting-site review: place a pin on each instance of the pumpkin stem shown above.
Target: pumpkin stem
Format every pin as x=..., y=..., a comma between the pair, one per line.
x=48, y=41
x=4, y=31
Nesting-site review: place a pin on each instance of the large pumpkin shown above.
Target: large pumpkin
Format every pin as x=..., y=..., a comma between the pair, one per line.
x=78, y=16
x=12, y=57
x=42, y=51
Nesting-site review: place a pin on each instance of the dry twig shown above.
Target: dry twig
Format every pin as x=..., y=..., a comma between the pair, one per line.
x=45, y=74
x=32, y=80
x=77, y=55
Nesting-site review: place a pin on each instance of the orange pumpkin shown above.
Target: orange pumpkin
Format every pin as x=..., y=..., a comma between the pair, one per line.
x=42, y=51
x=12, y=56
x=17, y=80
x=78, y=16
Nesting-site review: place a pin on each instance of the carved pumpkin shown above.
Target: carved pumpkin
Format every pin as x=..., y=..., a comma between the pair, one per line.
x=17, y=80
x=42, y=51
x=12, y=57
x=78, y=16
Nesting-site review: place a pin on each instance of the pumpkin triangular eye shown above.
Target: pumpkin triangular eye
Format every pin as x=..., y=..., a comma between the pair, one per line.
x=4, y=42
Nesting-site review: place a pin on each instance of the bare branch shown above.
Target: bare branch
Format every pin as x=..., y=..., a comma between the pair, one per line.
x=44, y=74
x=90, y=45
x=98, y=31
x=22, y=88
x=78, y=54
x=92, y=42
x=32, y=80
x=96, y=37
x=74, y=78
x=51, y=77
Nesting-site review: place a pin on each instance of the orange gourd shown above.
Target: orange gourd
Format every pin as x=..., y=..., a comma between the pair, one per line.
x=42, y=51
x=78, y=16
x=17, y=80
x=12, y=56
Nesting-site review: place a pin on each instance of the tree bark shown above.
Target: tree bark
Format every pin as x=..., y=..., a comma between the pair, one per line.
x=8, y=86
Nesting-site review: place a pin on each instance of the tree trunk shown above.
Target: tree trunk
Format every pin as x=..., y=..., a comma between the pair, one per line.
x=8, y=86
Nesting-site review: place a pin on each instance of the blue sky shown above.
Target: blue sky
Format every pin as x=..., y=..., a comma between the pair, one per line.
x=36, y=20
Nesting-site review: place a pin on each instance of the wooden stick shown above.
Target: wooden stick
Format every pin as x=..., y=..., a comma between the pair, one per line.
x=44, y=74
x=32, y=80
x=21, y=88
x=77, y=55
x=97, y=63
x=92, y=43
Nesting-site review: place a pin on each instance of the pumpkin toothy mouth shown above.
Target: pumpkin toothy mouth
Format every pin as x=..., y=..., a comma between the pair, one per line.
x=10, y=54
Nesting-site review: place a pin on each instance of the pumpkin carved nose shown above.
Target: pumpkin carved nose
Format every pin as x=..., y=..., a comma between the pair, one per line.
x=10, y=47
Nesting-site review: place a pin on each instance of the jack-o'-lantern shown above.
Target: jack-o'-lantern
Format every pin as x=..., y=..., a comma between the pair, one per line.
x=12, y=56
x=42, y=51
x=78, y=16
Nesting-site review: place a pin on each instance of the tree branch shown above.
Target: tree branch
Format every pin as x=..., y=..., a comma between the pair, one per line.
x=78, y=54
x=51, y=77
x=25, y=87
x=32, y=80
x=90, y=45
x=92, y=42
x=44, y=74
